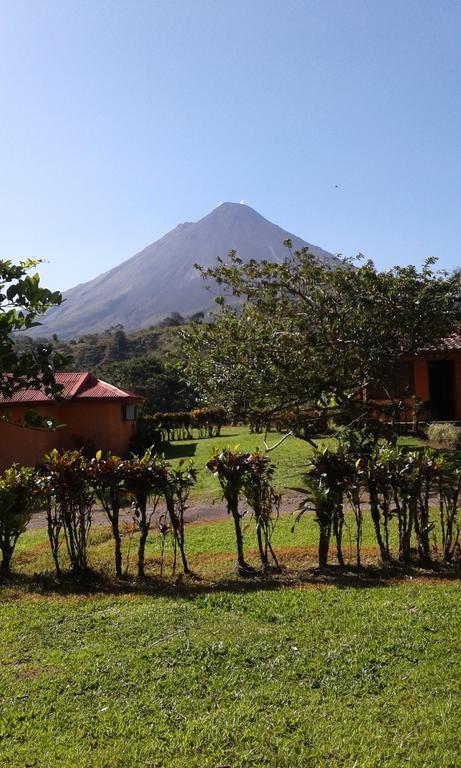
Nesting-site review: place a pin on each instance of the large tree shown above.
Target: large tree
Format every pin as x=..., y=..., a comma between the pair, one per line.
x=306, y=330
x=22, y=300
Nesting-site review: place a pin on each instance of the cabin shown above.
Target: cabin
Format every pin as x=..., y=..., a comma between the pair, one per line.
x=92, y=415
x=432, y=377
x=437, y=379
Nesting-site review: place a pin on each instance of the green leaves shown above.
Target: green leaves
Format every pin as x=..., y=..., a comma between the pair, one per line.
x=22, y=300
x=16, y=498
x=307, y=331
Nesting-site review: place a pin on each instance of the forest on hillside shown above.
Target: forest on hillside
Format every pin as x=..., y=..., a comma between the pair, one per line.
x=144, y=360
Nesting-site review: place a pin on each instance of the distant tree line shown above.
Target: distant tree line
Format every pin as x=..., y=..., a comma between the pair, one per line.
x=144, y=361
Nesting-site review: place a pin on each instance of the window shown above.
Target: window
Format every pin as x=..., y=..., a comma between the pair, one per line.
x=129, y=412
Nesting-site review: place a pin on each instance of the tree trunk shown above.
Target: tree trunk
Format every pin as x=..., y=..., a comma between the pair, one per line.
x=54, y=527
x=178, y=530
x=5, y=566
x=422, y=535
x=338, y=522
x=404, y=535
x=261, y=548
x=324, y=544
x=117, y=552
x=185, y=564
x=241, y=564
x=141, y=550
x=376, y=517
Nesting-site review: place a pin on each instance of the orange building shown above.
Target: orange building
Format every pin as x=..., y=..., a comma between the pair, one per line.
x=433, y=377
x=436, y=378
x=93, y=414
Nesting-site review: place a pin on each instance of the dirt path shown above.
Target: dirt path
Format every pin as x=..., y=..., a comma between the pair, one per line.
x=199, y=511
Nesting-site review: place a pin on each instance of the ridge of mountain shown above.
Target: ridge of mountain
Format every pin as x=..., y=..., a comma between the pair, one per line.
x=161, y=279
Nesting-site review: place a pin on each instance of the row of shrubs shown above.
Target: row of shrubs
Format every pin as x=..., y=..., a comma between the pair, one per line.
x=68, y=486
x=162, y=427
x=309, y=422
x=180, y=425
x=418, y=491
x=304, y=423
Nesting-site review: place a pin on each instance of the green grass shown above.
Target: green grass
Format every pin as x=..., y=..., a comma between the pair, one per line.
x=295, y=671
x=290, y=457
x=295, y=677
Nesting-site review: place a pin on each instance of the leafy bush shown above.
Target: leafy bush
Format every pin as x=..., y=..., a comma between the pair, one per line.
x=248, y=475
x=107, y=477
x=146, y=434
x=145, y=479
x=16, y=486
x=70, y=500
x=444, y=435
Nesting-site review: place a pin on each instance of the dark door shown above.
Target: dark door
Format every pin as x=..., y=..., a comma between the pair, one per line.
x=441, y=389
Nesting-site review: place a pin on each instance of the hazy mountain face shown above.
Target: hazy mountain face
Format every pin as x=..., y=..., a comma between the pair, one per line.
x=161, y=278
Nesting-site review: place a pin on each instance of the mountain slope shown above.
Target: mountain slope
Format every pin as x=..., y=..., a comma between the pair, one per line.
x=161, y=278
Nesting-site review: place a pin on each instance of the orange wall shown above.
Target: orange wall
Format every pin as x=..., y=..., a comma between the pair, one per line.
x=422, y=378
x=98, y=421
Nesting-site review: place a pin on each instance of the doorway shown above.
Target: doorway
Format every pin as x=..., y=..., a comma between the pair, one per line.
x=441, y=389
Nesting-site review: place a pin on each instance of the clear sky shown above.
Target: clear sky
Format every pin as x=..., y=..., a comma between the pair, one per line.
x=339, y=120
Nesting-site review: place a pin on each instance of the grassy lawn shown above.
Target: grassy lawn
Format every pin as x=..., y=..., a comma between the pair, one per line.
x=219, y=671
x=290, y=457
x=292, y=677
x=299, y=670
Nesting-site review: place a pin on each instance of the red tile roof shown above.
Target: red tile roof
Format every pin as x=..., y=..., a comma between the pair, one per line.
x=450, y=343
x=453, y=341
x=75, y=386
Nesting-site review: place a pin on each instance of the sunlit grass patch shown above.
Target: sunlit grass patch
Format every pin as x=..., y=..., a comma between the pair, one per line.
x=315, y=677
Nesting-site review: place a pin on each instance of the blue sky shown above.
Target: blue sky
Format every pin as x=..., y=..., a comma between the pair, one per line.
x=338, y=120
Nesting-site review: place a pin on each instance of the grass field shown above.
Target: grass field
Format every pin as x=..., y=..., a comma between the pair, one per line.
x=295, y=670
x=308, y=670
x=290, y=457
x=289, y=677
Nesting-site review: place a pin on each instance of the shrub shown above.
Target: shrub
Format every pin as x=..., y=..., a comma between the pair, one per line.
x=230, y=467
x=145, y=479
x=146, y=434
x=176, y=492
x=107, y=476
x=264, y=501
x=248, y=475
x=16, y=486
x=327, y=480
x=69, y=501
x=444, y=435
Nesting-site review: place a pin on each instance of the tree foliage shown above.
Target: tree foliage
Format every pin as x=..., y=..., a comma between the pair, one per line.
x=22, y=300
x=305, y=330
x=143, y=361
x=16, y=493
x=148, y=375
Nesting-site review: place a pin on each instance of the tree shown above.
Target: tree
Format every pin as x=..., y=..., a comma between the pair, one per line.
x=22, y=299
x=307, y=331
x=148, y=375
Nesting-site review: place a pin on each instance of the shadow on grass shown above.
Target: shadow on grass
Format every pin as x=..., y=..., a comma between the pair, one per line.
x=180, y=451
x=189, y=587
